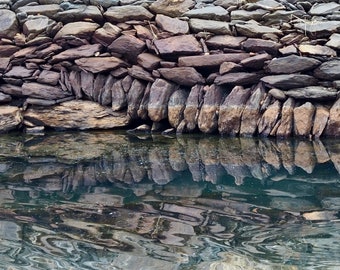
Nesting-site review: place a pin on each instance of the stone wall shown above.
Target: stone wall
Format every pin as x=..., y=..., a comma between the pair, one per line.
x=266, y=67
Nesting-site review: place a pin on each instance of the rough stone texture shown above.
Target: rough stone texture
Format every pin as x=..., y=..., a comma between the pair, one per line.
x=210, y=60
x=192, y=107
x=79, y=114
x=253, y=29
x=303, y=119
x=178, y=45
x=148, y=61
x=176, y=106
x=217, y=13
x=289, y=81
x=317, y=50
x=8, y=24
x=78, y=52
x=318, y=93
x=106, y=34
x=269, y=119
x=320, y=120
x=216, y=27
x=77, y=29
x=129, y=46
x=171, y=8
x=238, y=78
x=328, y=70
x=43, y=91
x=172, y=25
x=259, y=45
x=160, y=93
x=231, y=109
x=99, y=64
x=10, y=118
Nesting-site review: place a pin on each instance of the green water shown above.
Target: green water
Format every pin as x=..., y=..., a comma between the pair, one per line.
x=108, y=200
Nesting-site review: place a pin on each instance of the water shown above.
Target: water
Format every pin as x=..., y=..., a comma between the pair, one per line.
x=104, y=200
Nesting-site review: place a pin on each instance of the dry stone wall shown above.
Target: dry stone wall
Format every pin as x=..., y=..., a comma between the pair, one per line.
x=239, y=68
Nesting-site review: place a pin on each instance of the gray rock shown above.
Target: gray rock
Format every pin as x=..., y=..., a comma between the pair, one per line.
x=171, y=8
x=140, y=73
x=172, y=25
x=49, y=77
x=291, y=64
x=160, y=93
x=253, y=29
x=187, y=76
x=217, y=13
x=8, y=24
x=223, y=41
x=260, y=45
x=320, y=120
x=148, y=61
x=281, y=16
x=303, y=119
x=127, y=13
x=287, y=118
x=104, y=3
x=8, y=50
x=245, y=15
x=79, y=14
x=129, y=46
x=227, y=67
x=37, y=25
x=134, y=97
x=328, y=70
x=277, y=94
x=4, y=98
x=256, y=61
x=19, y=72
x=318, y=29
x=270, y=5
x=289, y=81
x=4, y=62
x=49, y=10
x=178, y=45
x=119, y=100
x=77, y=29
x=215, y=27
x=106, y=34
x=192, y=107
x=317, y=93
x=238, y=78
x=334, y=41
x=11, y=89
x=324, y=8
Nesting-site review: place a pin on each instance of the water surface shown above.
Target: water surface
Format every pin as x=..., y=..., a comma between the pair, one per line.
x=104, y=200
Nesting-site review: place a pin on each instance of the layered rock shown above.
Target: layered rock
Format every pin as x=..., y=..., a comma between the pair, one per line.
x=234, y=68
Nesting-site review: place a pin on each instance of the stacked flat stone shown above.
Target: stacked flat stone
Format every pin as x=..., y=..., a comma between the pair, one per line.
x=239, y=68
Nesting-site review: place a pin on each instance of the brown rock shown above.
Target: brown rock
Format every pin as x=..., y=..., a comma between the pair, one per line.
x=129, y=46
x=119, y=100
x=320, y=120
x=47, y=10
x=251, y=113
x=98, y=85
x=76, y=114
x=333, y=125
x=80, y=13
x=8, y=50
x=303, y=119
x=256, y=62
x=140, y=73
x=277, y=94
x=78, y=52
x=286, y=122
x=210, y=26
x=49, y=77
x=260, y=45
x=176, y=106
x=11, y=89
x=106, y=34
x=187, y=76
x=223, y=41
x=172, y=25
x=19, y=72
x=143, y=107
x=227, y=67
x=148, y=61
x=10, y=118
x=4, y=98
x=105, y=94
x=99, y=64
x=44, y=91
x=269, y=119
x=208, y=115
x=230, y=112
x=328, y=70
x=211, y=60
x=134, y=97
x=192, y=107
x=160, y=93
x=317, y=50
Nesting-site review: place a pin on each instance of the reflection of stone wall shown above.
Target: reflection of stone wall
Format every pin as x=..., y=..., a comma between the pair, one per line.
x=61, y=160
x=233, y=67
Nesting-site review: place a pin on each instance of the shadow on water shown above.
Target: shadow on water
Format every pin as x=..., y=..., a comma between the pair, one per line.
x=103, y=200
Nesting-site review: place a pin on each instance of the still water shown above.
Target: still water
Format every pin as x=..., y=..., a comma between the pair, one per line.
x=104, y=200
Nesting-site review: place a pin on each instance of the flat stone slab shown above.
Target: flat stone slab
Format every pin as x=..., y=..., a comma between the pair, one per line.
x=317, y=93
x=211, y=60
x=47, y=10
x=259, y=45
x=78, y=52
x=324, y=8
x=77, y=29
x=172, y=25
x=43, y=91
x=291, y=64
x=238, y=78
x=178, y=45
x=79, y=14
x=217, y=13
x=253, y=29
x=100, y=64
x=77, y=114
x=317, y=50
x=222, y=41
x=318, y=28
x=127, y=13
x=215, y=27
x=328, y=70
x=187, y=76
x=289, y=81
